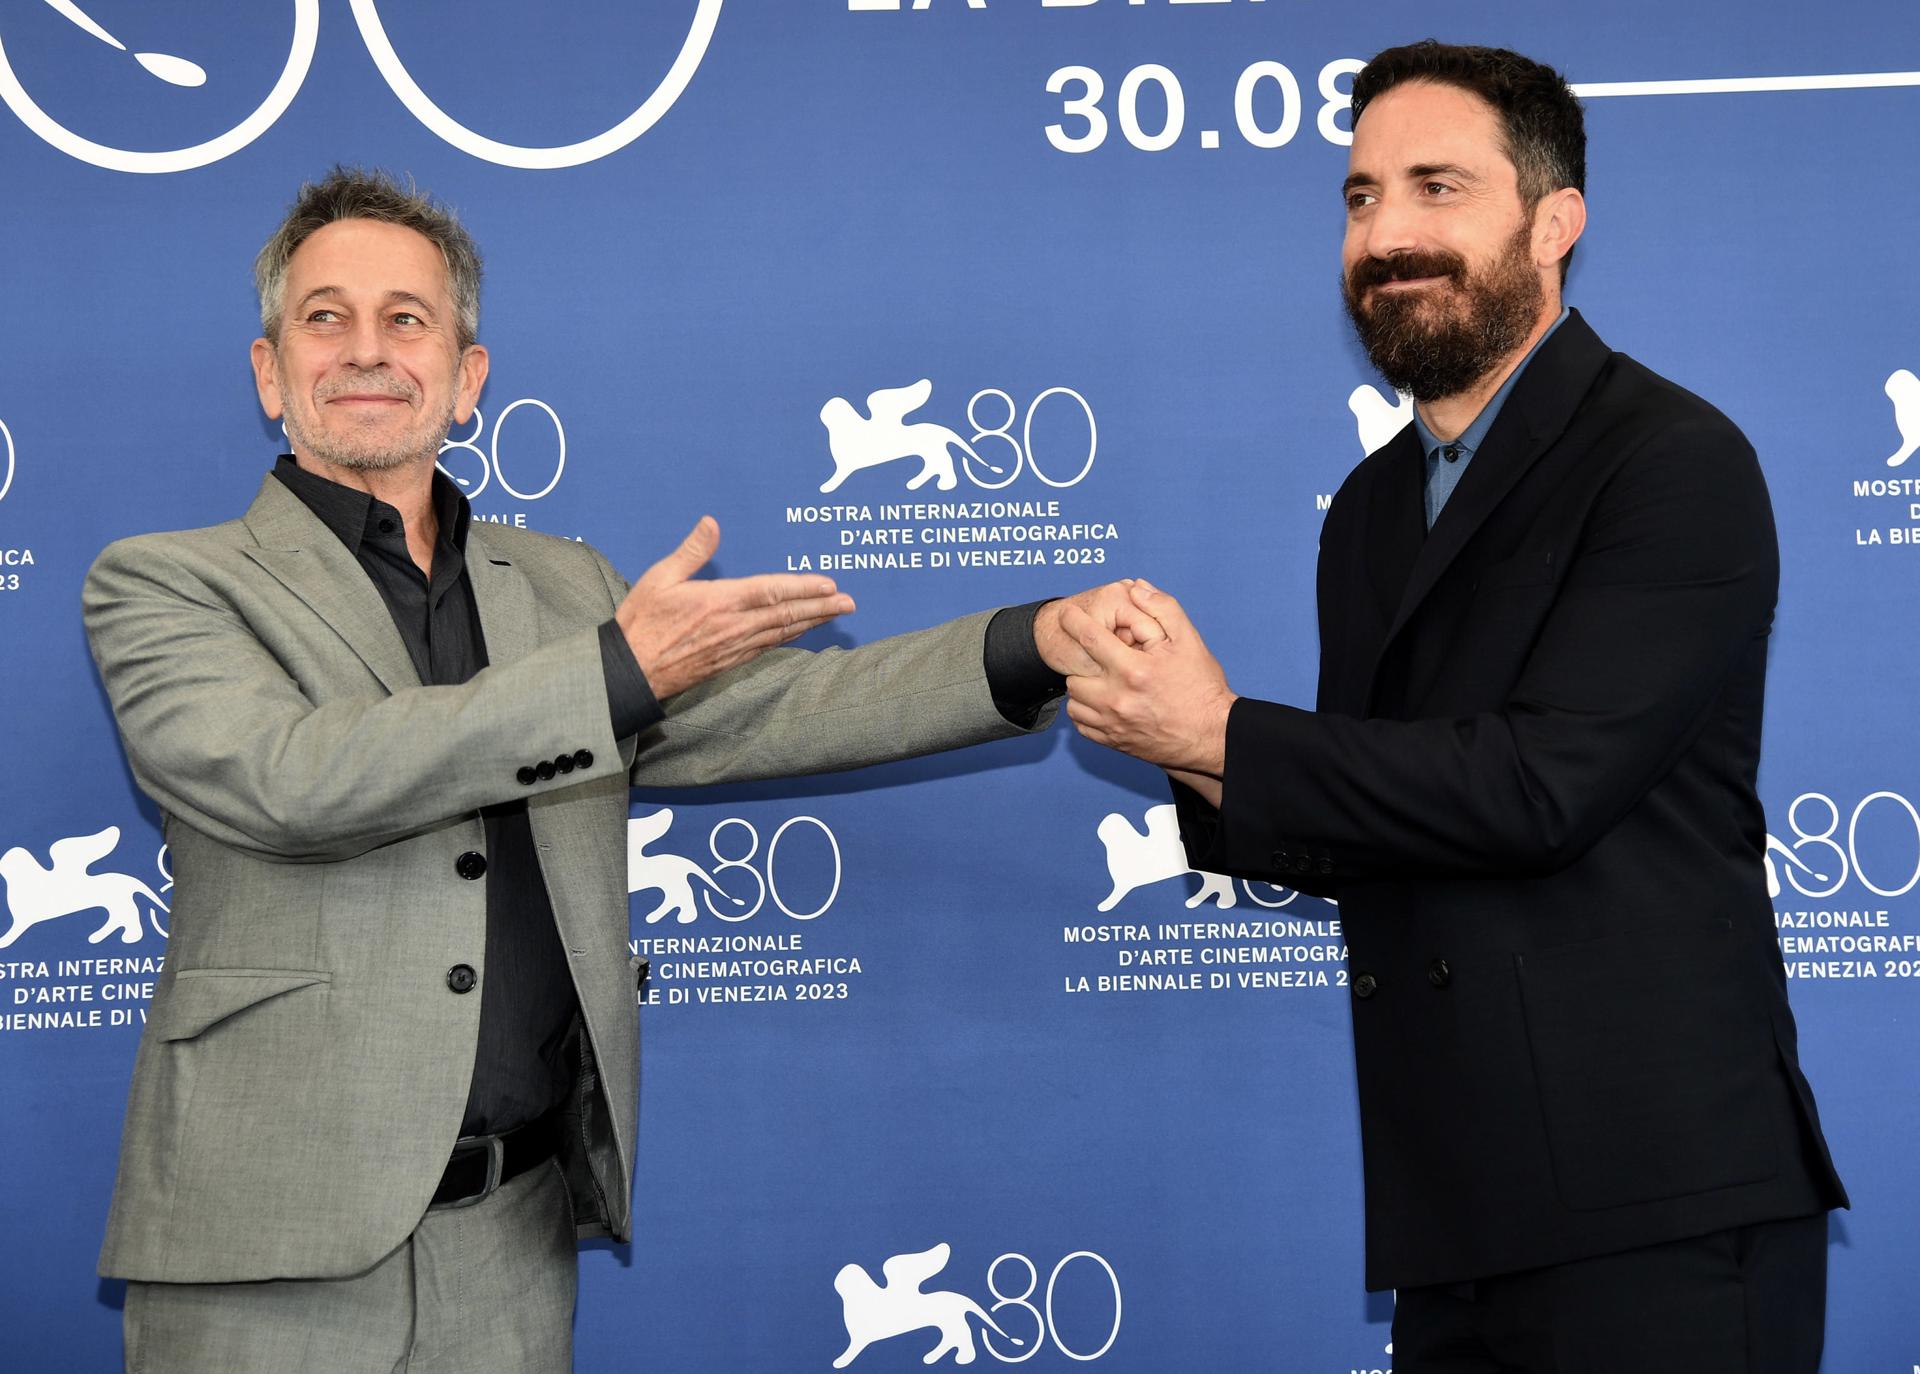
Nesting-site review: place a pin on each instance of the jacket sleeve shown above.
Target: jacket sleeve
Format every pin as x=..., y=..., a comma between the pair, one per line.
x=220, y=734
x=1666, y=603
x=793, y=711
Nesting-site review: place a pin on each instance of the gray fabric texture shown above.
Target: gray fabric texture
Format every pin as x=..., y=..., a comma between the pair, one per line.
x=305, y=1065
x=482, y=1289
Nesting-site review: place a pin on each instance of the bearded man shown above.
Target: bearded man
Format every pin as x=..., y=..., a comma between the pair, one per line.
x=1530, y=784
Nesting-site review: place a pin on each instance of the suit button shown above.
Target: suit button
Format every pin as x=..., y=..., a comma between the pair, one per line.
x=471, y=866
x=1303, y=865
x=1439, y=974
x=545, y=769
x=1365, y=985
x=641, y=972
x=1326, y=868
x=583, y=758
x=527, y=777
x=461, y=978
x=564, y=763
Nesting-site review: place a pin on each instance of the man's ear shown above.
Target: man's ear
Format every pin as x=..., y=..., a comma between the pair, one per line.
x=1558, y=221
x=473, y=377
x=266, y=379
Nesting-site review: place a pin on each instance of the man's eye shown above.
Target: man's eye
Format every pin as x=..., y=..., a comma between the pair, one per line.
x=406, y=319
x=1437, y=188
x=322, y=317
x=1359, y=199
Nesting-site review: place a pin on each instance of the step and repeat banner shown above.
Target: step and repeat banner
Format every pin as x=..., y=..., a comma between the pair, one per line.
x=964, y=304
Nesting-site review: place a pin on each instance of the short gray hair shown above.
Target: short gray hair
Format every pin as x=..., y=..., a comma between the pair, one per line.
x=354, y=193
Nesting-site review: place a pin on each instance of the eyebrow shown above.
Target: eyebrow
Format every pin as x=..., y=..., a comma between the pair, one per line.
x=1451, y=169
x=421, y=306
x=424, y=307
x=1415, y=172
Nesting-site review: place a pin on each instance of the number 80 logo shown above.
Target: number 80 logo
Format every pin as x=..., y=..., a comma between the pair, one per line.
x=1825, y=857
x=1022, y=448
x=490, y=465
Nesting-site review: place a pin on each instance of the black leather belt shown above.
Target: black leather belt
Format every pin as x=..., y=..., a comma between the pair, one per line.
x=481, y=1163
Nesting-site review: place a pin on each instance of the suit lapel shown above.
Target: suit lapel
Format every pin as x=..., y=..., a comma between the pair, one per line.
x=505, y=599
x=1397, y=524
x=1536, y=413
x=310, y=561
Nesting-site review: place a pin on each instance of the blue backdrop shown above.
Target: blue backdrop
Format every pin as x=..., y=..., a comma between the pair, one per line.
x=974, y=1001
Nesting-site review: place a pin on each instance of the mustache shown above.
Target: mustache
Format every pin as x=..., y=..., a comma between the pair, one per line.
x=378, y=382
x=1371, y=272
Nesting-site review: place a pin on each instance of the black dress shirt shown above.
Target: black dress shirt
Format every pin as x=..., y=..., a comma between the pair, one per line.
x=527, y=1000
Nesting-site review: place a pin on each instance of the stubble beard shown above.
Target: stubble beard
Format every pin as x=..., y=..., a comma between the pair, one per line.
x=1439, y=341
x=358, y=452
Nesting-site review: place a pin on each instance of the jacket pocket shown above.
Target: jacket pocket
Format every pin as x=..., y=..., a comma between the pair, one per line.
x=1655, y=1065
x=202, y=998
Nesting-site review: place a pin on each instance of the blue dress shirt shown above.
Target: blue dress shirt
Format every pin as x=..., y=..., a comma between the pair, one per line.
x=1447, y=461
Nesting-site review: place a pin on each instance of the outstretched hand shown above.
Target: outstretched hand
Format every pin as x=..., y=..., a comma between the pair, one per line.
x=684, y=631
x=1165, y=701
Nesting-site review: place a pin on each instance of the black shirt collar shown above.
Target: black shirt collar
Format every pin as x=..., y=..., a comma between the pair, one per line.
x=354, y=515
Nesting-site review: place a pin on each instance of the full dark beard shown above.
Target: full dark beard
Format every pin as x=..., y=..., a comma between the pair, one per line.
x=1440, y=341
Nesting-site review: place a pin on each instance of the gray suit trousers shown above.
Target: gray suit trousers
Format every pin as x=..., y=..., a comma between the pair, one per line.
x=481, y=1289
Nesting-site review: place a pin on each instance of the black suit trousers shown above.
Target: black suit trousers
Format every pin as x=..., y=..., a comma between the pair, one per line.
x=1747, y=1300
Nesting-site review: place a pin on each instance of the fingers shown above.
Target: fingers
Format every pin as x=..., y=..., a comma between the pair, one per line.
x=749, y=644
x=1055, y=646
x=1163, y=609
x=1112, y=605
x=1089, y=732
x=816, y=610
x=691, y=555
x=1088, y=721
x=775, y=589
x=800, y=627
x=1100, y=643
x=762, y=625
x=1135, y=626
x=773, y=636
x=682, y=631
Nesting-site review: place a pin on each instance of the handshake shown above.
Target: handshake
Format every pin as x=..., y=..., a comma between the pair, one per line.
x=1139, y=677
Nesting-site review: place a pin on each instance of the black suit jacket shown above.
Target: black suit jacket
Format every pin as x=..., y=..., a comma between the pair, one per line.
x=1530, y=786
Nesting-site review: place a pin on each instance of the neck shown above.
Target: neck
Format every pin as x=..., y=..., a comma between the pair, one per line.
x=1447, y=418
x=408, y=488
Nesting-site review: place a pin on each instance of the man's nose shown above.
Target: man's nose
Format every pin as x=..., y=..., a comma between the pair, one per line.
x=366, y=343
x=1390, y=229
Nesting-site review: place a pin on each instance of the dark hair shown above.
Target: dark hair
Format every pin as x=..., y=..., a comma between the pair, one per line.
x=1543, y=128
x=350, y=193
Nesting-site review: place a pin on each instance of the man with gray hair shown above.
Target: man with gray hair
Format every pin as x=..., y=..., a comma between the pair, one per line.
x=388, y=1076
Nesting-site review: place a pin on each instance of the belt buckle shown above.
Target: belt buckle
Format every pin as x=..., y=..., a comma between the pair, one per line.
x=496, y=1162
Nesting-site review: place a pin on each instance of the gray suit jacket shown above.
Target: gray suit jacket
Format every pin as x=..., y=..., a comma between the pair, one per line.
x=305, y=1064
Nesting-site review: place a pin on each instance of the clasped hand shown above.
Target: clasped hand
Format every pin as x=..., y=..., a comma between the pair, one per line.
x=1148, y=685
x=1139, y=677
